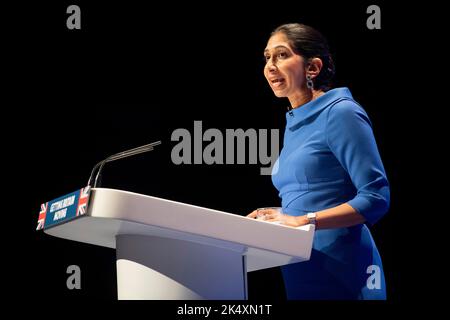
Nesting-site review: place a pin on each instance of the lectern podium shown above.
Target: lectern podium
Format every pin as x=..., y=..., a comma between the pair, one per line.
x=171, y=250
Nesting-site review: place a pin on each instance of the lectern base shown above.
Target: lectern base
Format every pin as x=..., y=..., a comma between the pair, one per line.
x=157, y=268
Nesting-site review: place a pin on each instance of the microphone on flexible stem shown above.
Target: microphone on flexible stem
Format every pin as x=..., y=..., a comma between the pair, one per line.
x=117, y=156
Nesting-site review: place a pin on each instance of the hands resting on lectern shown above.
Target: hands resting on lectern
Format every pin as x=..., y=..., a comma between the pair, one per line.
x=275, y=215
x=341, y=216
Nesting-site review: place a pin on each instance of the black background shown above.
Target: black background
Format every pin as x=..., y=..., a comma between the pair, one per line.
x=134, y=73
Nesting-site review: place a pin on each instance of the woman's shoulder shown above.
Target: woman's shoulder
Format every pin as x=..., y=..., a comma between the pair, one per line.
x=346, y=108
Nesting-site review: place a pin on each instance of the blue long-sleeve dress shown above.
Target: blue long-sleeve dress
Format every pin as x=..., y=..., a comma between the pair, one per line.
x=330, y=157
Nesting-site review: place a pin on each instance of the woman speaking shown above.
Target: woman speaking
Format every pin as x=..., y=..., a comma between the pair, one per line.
x=329, y=172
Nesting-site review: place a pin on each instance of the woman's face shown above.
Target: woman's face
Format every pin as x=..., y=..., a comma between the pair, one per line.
x=284, y=69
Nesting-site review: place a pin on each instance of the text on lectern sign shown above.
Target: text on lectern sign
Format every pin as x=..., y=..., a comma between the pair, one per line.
x=64, y=208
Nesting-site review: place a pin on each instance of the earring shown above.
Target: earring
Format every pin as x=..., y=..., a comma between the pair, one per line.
x=309, y=82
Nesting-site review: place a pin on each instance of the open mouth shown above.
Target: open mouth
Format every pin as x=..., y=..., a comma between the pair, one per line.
x=277, y=82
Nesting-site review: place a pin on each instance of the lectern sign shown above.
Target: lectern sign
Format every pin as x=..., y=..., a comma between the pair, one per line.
x=64, y=208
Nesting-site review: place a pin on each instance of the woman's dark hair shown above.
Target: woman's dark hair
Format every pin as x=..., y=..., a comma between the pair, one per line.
x=310, y=43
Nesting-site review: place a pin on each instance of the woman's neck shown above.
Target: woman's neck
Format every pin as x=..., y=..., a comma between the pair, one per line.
x=304, y=97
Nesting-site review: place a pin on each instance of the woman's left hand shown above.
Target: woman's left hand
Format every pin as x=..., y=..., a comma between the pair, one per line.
x=273, y=215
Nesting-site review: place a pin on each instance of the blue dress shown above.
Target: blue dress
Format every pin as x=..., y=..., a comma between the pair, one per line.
x=330, y=157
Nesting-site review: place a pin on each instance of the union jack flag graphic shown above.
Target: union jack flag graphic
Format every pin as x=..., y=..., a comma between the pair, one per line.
x=42, y=213
x=83, y=200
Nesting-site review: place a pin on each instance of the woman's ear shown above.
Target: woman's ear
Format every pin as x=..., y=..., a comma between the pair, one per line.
x=314, y=67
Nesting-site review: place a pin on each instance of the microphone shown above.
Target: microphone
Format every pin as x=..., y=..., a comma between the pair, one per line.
x=117, y=156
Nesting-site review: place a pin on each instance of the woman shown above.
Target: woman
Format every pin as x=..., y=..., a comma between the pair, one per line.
x=329, y=172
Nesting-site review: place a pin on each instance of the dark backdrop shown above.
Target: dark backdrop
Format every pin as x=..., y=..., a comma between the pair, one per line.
x=134, y=73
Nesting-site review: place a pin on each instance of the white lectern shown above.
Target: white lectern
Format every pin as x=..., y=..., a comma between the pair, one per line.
x=171, y=250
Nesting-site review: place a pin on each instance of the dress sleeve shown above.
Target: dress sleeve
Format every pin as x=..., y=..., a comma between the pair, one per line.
x=350, y=138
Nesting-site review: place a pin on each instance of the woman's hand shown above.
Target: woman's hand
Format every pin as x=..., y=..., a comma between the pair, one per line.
x=273, y=215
